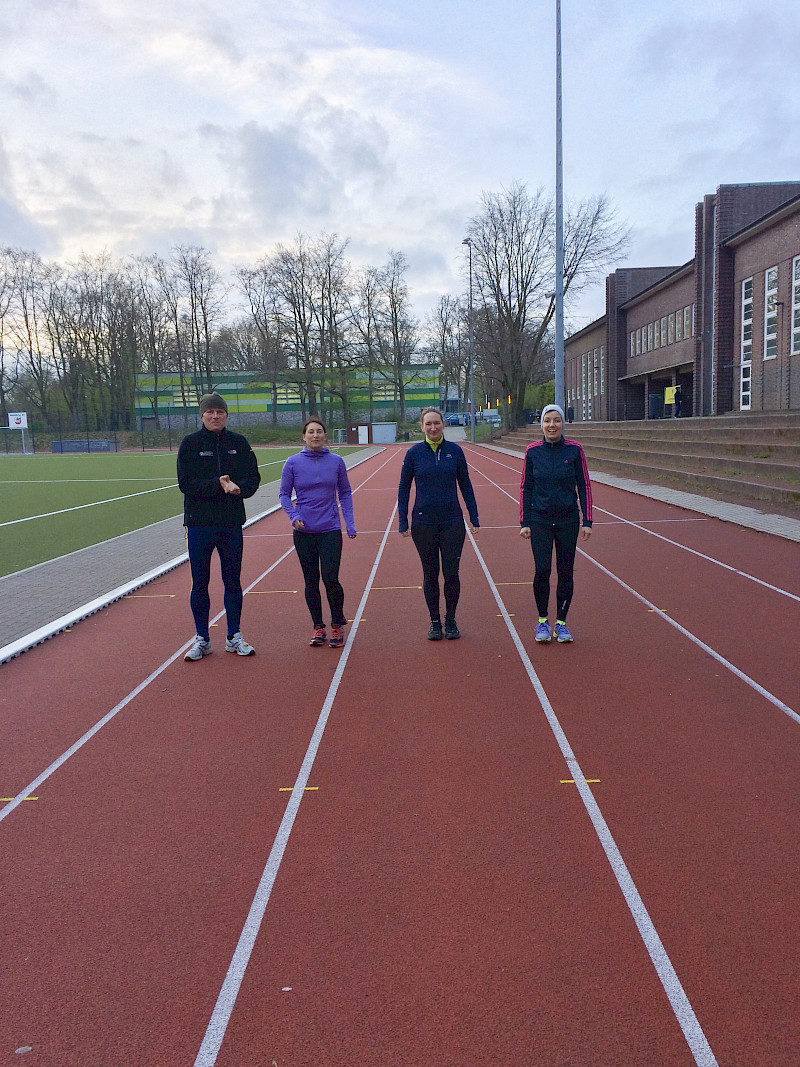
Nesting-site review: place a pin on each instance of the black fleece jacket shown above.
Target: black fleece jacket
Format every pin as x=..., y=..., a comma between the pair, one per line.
x=204, y=456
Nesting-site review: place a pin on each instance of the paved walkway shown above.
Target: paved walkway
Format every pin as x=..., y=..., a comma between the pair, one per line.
x=44, y=599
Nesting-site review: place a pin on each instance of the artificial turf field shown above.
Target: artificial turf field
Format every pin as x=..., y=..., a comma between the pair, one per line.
x=54, y=504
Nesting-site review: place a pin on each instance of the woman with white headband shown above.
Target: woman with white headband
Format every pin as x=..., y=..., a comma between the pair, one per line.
x=554, y=480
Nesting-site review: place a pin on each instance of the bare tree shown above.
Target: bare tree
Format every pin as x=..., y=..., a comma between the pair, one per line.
x=447, y=330
x=8, y=360
x=32, y=280
x=397, y=333
x=514, y=270
x=200, y=284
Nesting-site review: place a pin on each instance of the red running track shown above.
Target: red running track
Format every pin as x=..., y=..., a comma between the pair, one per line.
x=434, y=890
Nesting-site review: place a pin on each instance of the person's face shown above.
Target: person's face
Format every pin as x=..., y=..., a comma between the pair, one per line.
x=552, y=426
x=432, y=425
x=314, y=436
x=214, y=419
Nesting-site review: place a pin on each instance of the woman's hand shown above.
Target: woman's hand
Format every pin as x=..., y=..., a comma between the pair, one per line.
x=586, y=533
x=405, y=533
x=298, y=524
x=525, y=532
x=353, y=535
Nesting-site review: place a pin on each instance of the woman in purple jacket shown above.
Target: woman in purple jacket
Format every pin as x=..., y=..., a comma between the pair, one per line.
x=317, y=476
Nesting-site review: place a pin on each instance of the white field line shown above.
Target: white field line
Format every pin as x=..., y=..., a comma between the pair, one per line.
x=684, y=1013
x=218, y=1024
x=687, y=633
x=110, y=500
x=676, y=544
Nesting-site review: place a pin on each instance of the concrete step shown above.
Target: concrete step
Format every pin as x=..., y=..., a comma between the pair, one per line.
x=753, y=458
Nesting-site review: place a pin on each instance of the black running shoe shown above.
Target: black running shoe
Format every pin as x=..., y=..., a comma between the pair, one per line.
x=451, y=631
x=435, y=632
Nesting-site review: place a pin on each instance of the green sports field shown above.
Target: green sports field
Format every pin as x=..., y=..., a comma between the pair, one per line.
x=54, y=504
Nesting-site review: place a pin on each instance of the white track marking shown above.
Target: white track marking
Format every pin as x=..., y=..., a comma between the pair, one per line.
x=652, y=533
x=62, y=759
x=7, y=809
x=218, y=1024
x=687, y=633
x=684, y=1013
x=696, y=640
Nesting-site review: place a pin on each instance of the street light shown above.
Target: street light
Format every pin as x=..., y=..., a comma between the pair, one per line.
x=468, y=242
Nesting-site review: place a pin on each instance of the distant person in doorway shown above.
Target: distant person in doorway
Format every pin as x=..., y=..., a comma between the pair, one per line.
x=217, y=471
x=570, y=414
x=677, y=402
x=439, y=469
x=318, y=479
x=554, y=481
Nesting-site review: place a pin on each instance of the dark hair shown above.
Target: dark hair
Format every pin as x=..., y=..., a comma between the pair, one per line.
x=319, y=422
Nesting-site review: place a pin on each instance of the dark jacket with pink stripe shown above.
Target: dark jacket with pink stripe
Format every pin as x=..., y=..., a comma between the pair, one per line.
x=554, y=479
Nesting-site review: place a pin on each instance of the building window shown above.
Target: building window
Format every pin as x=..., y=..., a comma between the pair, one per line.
x=747, y=321
x=678, y=325
x=771, y=313
x=633, y=343
x=664, y=332
x=796, y=306
x=687, y=321
x=671, y=328
x=602, y=376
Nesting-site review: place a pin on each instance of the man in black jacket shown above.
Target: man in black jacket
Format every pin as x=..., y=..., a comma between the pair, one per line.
x=217, y=470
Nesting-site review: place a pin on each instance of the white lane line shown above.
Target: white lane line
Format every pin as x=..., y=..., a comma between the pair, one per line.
x=687, y=633
x=218, y=1024
x=676, y=544
x=681, y=1006
x=62, y=759
x=700, y=644
x=702, y=555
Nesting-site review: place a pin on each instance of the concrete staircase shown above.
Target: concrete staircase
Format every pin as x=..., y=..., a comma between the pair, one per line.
x=745, y=459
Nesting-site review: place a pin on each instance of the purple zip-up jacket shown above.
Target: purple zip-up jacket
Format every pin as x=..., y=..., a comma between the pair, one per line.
x=317, y=478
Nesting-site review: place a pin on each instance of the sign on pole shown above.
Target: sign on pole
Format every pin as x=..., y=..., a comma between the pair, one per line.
x=18, y=420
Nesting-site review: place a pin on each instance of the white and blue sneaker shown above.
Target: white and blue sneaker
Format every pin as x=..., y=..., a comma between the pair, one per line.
x=561, y=633
x=200, y=647
x=542, y=632
x=238, y=645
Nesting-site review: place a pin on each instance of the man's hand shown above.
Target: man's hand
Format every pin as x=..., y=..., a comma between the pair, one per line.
x=525, y=532
x=228, y=486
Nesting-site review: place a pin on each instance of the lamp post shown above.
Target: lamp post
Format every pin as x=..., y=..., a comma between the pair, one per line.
x=468, y=242
x=559, y=338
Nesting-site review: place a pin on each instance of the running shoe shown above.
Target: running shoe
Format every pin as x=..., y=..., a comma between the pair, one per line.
x=542, y=632
x=451, y=631
x=337, y=636
x=200, y=647
x=238, y=645
x=561, y=633
x=319, y=638
x=435, y=632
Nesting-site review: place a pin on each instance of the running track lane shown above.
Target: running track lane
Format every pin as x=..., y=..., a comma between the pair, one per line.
x=410, y=913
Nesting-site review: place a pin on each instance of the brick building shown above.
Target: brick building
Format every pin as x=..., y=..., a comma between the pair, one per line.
x=725, y=326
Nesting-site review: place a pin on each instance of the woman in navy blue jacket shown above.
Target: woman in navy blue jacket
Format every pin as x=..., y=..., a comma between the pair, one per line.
x=554, y=480
x=438, y=468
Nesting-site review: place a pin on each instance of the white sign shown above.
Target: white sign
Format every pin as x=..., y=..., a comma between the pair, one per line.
x=18, y=420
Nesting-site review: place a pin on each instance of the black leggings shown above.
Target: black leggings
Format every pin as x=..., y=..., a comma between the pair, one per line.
x=321, y=553
x=431, y=543
x=565, y=537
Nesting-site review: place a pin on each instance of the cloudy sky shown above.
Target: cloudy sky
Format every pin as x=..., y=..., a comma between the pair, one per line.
x=131, y=125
